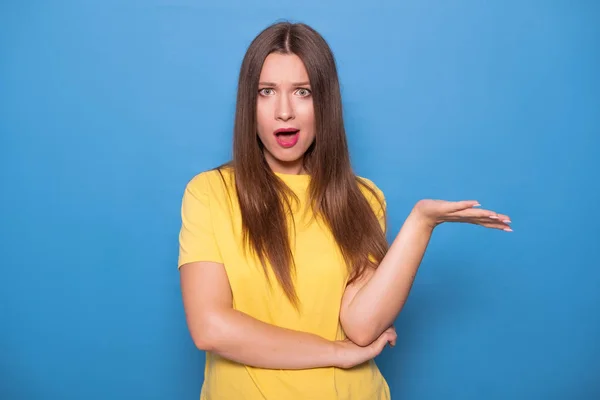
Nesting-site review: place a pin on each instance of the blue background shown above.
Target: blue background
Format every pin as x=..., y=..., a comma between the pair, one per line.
x=108, y=108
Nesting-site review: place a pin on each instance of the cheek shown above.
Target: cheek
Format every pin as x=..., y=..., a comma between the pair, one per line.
x=262, y=119
x=305, y=111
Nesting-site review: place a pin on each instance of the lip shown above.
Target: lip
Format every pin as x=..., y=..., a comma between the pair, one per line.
x=283, y=130
x=287, y=141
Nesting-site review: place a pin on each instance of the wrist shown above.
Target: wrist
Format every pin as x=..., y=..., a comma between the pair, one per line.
x=339, y=351
x=335, y=354
x=421, y=220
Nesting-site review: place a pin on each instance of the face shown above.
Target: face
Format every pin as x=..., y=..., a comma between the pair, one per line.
x=285, y=114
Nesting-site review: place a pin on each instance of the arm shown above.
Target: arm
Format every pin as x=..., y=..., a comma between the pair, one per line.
x=372, y=303
x=215, y=326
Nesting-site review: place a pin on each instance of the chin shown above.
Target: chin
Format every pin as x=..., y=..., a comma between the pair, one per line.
x=290, y=156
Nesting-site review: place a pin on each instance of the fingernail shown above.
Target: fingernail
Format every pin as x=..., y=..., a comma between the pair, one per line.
x=508, y=229
x=507, y=221
x=493, y=217
x=477, y=205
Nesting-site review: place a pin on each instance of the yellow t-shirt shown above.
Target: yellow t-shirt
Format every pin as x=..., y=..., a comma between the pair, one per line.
x=211, y=231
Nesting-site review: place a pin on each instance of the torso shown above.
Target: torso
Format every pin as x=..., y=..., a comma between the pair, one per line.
x=321, y=277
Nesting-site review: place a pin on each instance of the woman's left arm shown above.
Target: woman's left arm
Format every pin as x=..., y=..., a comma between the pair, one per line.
x=371, y=304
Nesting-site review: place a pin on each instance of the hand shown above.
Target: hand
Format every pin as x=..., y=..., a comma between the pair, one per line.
x=349, y=354
x=435, y=212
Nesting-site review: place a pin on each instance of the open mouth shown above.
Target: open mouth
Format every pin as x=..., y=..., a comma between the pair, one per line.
x=287, y=137
x=286, y=132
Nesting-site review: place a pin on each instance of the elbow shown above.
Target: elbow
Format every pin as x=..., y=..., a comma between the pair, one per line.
x=202, y=342
x=362, y=334
x=207, y=332
x=362, y=338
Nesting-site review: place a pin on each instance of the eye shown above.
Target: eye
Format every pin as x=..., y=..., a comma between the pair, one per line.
x=265, y=91
x=303, y=92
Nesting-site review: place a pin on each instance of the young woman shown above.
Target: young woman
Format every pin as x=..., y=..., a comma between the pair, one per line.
x=288, y=282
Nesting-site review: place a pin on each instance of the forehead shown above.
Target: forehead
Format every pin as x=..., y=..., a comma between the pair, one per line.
x=283, y=68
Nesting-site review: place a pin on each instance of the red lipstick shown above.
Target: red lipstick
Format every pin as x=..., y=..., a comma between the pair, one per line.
x=287, y=137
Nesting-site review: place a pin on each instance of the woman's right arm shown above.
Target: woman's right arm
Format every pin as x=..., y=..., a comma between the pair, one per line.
x=216, y=327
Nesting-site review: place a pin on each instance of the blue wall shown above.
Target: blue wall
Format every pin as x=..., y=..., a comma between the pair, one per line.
x=108, y=109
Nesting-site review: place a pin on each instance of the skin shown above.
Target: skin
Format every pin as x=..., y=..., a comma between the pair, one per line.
x=285, y=101
x=373, y=303
x=369, y=305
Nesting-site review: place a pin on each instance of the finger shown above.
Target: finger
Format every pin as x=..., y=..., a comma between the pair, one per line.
x=379, y=344
x=482, y=215
x=392, y=329
x=501, y=217
x=462, y=205
x=500, y=226
x=500, y=221
x=382, y=339
x=390, y=341
x=388, y=336
x=485, y=213
x=473, y=213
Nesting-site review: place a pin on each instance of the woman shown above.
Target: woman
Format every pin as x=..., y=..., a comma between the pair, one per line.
x=288, y=282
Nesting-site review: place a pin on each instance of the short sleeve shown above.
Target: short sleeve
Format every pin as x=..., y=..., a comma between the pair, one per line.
x=197, y=240
x=379, y=206
x=377, y=202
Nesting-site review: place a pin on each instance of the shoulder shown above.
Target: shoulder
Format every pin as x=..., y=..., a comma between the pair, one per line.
x=370, y=189
x=210, y=181
x=374, y=195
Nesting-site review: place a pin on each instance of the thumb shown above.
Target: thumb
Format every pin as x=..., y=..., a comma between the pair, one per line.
x=462, y=205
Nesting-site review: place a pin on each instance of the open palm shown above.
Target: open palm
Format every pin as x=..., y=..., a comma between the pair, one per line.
x=439, y=211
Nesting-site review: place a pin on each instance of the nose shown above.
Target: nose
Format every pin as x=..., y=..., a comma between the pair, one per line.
x=284, y=110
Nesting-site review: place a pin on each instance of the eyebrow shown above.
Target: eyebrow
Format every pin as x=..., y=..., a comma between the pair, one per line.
x=293, y=84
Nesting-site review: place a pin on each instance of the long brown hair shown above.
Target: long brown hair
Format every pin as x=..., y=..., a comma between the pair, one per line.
x=334, y=189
